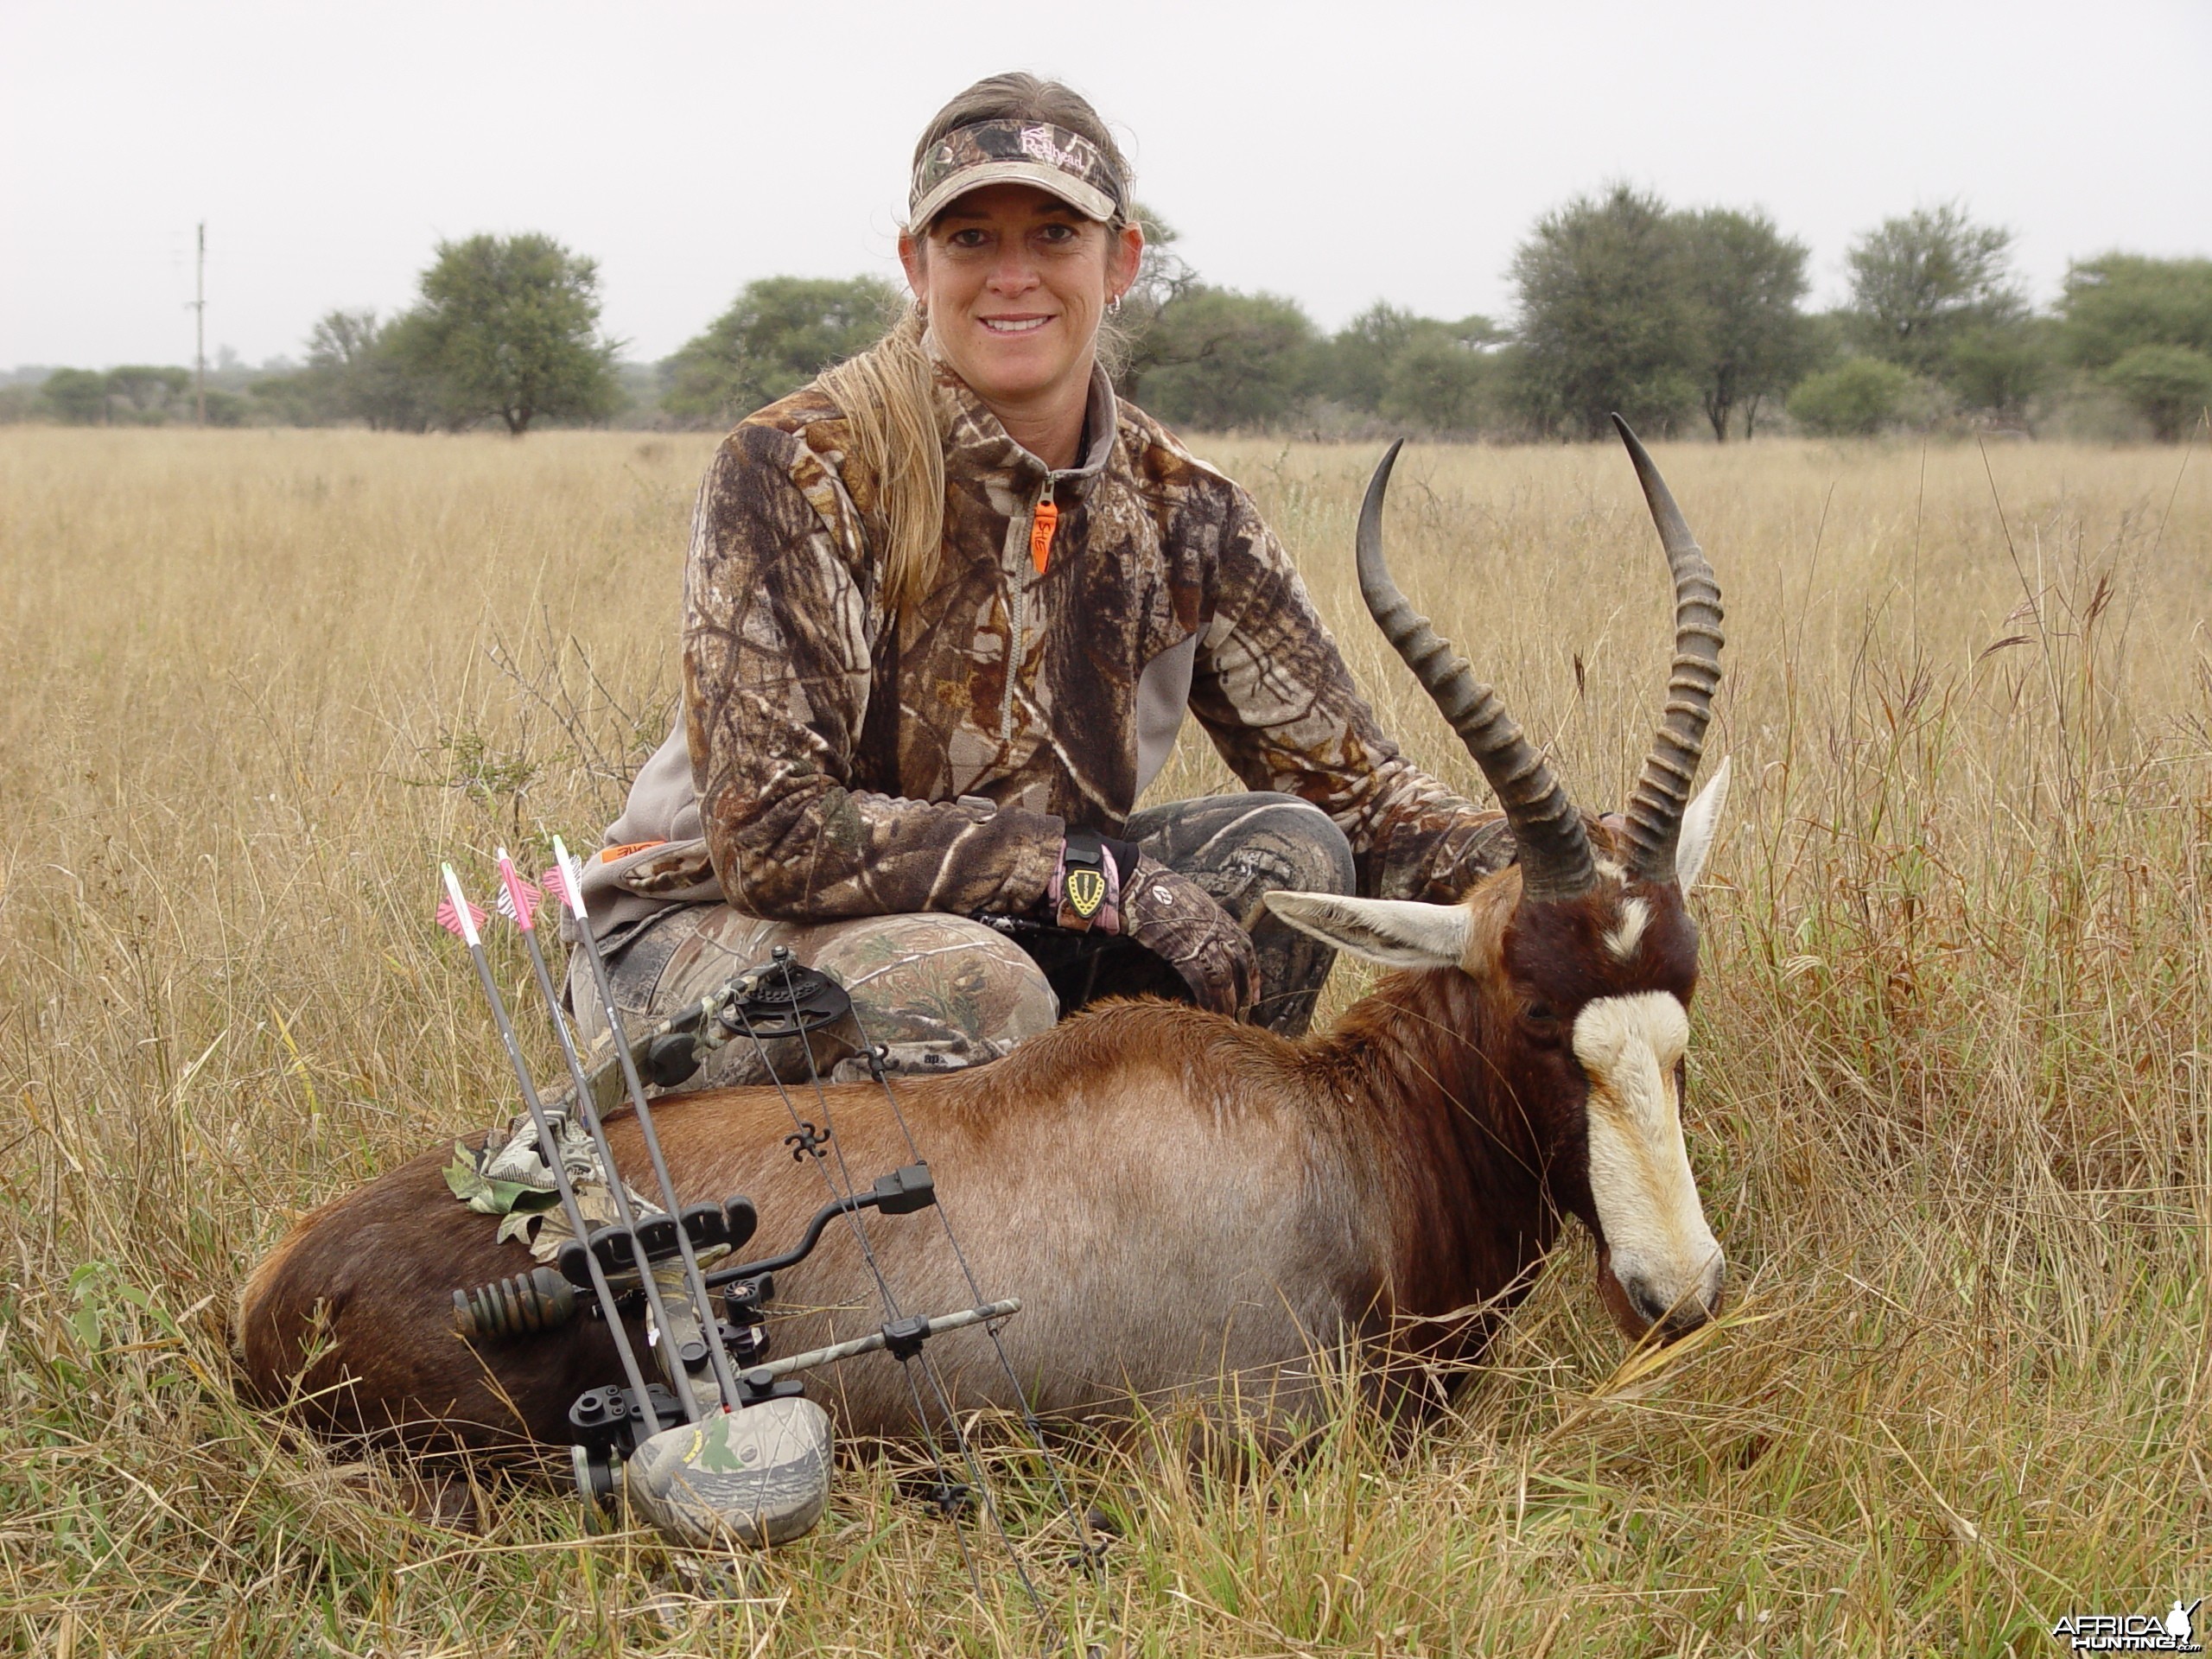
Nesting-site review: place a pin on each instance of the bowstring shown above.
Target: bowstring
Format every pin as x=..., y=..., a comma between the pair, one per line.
x=890, y=1301
x=929, y=1366
x=1093, y=1559
x=944, y=1480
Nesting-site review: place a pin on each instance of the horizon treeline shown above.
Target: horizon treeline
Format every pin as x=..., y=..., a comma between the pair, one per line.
x=1686, y=321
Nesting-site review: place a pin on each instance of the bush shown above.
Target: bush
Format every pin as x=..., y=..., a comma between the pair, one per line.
x=778, y=334
x=78, y=397
x=227, y=408
x=1221, y=360
x=2169, y=385
x=1438, y=384
x=1998, y=368
x=1859, y=396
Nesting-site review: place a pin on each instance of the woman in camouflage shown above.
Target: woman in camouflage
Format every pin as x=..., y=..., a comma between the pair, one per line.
x=945, y=611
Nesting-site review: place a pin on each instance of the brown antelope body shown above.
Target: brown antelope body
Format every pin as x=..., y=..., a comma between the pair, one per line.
x=1182, y=1203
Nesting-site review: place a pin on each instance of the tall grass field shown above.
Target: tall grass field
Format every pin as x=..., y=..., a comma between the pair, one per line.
x=1949, y=1098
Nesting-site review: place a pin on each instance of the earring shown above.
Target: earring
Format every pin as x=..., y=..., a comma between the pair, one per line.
x=1114, y=306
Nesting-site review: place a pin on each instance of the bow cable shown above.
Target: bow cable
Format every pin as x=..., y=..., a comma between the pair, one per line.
x=1092, y=1556
x=983, y=1486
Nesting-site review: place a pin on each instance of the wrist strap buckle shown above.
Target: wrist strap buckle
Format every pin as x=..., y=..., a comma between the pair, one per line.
x=1084, y=884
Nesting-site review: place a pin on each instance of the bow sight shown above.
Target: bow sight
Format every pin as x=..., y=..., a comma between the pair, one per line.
x=724, y=1446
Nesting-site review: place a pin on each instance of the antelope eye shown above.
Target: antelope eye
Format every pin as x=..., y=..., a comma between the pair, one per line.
x=1541, y=1019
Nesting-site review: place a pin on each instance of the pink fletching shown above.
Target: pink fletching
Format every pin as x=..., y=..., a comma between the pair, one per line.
x=555, y=881
x=451, y=922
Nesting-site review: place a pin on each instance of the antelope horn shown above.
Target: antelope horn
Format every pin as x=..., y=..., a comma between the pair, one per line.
x=1655, y=810
x=1554, y=852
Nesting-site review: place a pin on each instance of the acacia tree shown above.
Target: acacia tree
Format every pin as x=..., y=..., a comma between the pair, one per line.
x=2143, y=326
x=777, y=334
x=1357, y=364
x=1421, y=370
x=1221, y=359
x=1609, y=320
x=343, y=340
x=2115, y=303
x=360, y=368
x=78, y=397
x=1922, y=283
x=509, y=325
x=1133, y=346
x=145, y=392
x=1752, y=342
x=2170, y=386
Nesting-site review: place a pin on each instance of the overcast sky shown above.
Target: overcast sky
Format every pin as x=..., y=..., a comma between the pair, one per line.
x=1340, y=153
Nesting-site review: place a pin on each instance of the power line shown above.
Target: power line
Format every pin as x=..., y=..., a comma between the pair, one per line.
x=200, y=330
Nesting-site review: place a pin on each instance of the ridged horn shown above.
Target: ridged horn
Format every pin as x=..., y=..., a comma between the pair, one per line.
x=1555, y=853
x=1662, y=790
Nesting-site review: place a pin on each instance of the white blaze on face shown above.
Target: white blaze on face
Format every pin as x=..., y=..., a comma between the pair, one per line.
x=1625, y=935
x=1663, y=1254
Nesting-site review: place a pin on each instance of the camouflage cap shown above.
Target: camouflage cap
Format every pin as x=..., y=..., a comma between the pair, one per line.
x=1065, y=164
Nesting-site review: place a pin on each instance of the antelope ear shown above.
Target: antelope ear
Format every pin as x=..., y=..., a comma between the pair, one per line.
x=1396, y=932
x=1700, y=826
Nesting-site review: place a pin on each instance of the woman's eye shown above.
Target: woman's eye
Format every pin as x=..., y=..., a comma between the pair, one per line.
x=970, y=238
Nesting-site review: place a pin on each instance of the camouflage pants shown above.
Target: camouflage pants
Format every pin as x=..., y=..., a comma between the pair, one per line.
x=942, y=991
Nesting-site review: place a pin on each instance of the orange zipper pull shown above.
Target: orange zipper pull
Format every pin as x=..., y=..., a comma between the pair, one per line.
x=1041, y=527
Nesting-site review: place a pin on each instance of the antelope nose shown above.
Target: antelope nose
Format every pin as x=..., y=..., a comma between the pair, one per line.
x=1647, y=1302
x=1673, y=1318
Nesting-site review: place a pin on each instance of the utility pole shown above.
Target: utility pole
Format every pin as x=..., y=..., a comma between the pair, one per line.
x=199, y=329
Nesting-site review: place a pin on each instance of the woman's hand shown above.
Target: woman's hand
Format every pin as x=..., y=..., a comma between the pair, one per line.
x=1177, y=921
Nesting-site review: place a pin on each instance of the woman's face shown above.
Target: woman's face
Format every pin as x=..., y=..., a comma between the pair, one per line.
x=1015, y=282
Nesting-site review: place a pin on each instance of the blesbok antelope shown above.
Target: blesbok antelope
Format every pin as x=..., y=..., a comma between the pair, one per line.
x=1175, y=1197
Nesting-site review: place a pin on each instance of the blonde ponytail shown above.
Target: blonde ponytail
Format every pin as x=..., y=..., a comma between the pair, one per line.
x=888, y=396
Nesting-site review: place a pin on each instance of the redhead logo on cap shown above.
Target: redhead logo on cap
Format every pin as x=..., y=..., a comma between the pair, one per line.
x=1038, y=142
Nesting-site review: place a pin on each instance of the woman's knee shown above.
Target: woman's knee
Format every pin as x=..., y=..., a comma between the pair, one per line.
x=1318, y=851
x=1241, y=846
x=937, y=991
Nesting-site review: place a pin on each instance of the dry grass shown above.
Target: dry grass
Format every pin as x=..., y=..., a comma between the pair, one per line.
x=1949, y=1114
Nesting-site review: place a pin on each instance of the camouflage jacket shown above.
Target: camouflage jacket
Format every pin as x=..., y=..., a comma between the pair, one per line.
x=832, y=764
